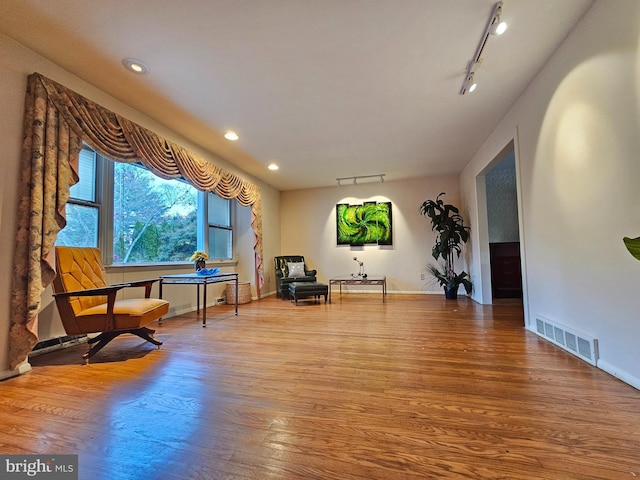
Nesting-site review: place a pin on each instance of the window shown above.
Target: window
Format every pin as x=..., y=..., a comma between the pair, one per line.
x=219, y=227
x=154, y=220
x=83, y=207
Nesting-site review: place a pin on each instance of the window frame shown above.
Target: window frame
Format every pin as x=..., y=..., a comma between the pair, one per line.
x=104, y=193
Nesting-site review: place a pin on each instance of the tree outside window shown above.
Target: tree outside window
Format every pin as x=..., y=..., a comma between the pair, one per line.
x=154, y=220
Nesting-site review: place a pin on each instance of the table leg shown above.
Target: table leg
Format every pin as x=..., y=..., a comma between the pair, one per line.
x=204, y=306
x=237, y=295
x=160, y=296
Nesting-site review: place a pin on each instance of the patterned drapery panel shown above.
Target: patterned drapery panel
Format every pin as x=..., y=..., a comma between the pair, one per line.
x=56, y=122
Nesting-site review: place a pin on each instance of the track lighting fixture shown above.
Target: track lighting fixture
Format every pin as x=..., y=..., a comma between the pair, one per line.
x=495, y=26
x=469, y=85
x=498, y=27
x=360, y=179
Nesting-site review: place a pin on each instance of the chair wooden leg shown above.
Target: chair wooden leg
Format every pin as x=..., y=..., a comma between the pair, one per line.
x=105, y=337
x=147, y=334
x=100, y=341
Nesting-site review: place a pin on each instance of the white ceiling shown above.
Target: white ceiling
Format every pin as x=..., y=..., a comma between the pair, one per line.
x=324, y=88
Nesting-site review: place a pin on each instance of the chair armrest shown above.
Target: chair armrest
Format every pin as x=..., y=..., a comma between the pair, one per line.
x=310, y=273
x=110, y=291
x=279, y=274
x=140, y=283
x=148, y=283
x=93, y=292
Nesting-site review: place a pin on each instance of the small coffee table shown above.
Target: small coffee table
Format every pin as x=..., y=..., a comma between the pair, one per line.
x=369, y=280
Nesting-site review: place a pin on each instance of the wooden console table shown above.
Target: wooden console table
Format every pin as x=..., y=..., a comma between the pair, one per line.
x=197, y=280
x=370, y=280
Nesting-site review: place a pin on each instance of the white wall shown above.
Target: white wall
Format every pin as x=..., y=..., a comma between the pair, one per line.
x=577, y=141
x=308, y=220
x=16, y=63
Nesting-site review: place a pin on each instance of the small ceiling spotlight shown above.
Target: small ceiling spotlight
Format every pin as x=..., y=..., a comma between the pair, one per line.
x=495, y=26
x=498, y=27
x=231, y=135
x=135, y=66
x=470, y=84
x=273, y=167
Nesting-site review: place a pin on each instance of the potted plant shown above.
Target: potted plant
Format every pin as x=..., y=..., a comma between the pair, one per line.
x=200, y=258
x=451, y=234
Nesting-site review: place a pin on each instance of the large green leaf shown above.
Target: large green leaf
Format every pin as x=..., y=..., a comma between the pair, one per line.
x=633, y=245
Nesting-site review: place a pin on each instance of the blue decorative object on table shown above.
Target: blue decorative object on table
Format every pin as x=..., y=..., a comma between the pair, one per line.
x=208, y=271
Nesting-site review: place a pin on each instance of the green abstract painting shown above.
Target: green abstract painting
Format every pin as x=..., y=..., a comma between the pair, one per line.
x=369, y=223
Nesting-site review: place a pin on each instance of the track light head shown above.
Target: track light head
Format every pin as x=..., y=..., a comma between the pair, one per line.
x=498, y=27
x=469, y=84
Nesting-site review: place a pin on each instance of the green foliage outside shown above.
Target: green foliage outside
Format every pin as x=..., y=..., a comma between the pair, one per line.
x=154, y=220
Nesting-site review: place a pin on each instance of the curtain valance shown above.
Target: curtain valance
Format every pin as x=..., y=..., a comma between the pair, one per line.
x=56, y=122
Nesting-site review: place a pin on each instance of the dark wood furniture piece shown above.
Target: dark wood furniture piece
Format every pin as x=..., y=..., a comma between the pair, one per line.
x=308, y=289
x=197, y=280
x=506, y=275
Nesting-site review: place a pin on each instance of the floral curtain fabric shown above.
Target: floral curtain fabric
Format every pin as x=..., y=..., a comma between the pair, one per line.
x=57, y=121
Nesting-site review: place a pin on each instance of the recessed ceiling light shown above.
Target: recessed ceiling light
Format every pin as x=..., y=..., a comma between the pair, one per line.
x=273, y=166
x=135, y=66
x=230, y=135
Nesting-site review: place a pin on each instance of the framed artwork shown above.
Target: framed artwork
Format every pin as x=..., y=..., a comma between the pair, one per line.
x=369, y=223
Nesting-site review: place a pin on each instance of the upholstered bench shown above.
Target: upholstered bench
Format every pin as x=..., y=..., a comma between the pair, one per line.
x=308, y=289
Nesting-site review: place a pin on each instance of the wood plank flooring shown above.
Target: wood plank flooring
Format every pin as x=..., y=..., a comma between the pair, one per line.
x=415, y=388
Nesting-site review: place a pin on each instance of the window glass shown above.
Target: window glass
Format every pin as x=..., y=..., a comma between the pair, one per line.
x=82, y=227
x=220, y=243
x=82, y=209
x=220, y=234
x=85, y=189
x=154, y=220
x=219, y=212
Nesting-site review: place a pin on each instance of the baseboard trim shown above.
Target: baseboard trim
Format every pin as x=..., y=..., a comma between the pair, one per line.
x=619, y=374
x=21, y=370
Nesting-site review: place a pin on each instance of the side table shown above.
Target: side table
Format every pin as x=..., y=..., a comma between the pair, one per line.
x=197, y=280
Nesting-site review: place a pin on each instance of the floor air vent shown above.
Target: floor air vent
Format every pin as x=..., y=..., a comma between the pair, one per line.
x=581, y=345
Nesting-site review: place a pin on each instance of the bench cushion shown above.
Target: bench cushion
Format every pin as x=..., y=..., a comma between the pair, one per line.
x=308, y=288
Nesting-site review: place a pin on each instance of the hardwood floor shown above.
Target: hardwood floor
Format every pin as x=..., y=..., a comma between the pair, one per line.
x=415, y=388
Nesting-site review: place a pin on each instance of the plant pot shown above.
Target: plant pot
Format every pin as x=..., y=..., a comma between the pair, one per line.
x=200, y=264
x=451, y=293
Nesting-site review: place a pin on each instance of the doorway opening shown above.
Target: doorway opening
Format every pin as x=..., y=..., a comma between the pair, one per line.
x=500, y=233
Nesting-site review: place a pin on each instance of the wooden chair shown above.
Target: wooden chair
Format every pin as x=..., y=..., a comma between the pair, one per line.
x=87, y=303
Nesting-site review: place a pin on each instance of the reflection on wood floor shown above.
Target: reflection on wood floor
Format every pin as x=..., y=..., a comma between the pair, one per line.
x=415, y=388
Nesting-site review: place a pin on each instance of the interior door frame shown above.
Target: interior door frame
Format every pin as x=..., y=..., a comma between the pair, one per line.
x=483, y=225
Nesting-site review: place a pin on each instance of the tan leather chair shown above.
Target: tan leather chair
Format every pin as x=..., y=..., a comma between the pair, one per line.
x=87, y=303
